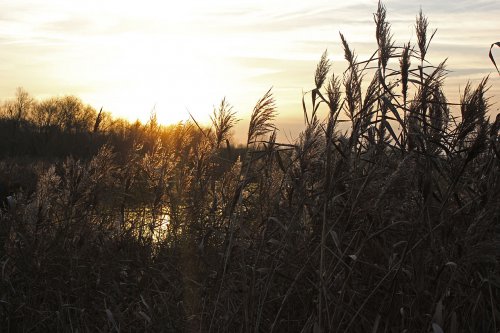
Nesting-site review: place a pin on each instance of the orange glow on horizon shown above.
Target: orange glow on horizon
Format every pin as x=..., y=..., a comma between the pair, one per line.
x=132, y=58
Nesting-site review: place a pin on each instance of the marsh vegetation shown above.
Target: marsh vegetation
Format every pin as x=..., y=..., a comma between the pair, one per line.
x=390, y=226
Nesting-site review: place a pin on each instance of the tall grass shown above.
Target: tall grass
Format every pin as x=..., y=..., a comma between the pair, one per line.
x=390, y=226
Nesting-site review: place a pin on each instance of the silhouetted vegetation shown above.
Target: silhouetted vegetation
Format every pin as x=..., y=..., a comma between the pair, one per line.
x=392, y=226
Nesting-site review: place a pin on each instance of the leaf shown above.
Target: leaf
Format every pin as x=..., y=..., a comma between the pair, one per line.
x=491, y=56
x=438, y=314
x=271, y=218
x=393, y=134
x=313, y=99
x=144, y=302
x=393, y=109
x=146, y=317
x=305, y=110
x=398, y=244
x=280, y=162
x=335, y=239
x=451, y=263
x=3, y=268
x=454, y=323
x=377, y=323
x=111, y=318
x=316, y=328
x=436, y=328
x=274, y=242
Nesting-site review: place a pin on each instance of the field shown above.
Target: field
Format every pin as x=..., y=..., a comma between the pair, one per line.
x=390, y=226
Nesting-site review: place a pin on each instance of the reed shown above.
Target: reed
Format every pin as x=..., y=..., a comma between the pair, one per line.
x=390, y=225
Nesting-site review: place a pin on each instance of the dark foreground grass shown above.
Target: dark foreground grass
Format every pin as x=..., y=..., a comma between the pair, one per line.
x=392, y=226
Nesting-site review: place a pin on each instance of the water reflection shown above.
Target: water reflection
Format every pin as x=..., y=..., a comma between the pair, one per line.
x=146, y=223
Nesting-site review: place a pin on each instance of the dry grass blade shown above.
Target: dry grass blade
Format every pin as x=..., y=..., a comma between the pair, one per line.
x=392, y=108
x=491, y=56
x=200, y=128
x=112, y=320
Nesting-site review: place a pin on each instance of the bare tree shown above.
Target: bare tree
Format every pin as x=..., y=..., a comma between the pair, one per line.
x=20, y=107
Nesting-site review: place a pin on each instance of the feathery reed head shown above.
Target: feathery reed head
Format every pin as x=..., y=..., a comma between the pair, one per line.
x=473, y=104
x=405, y=64
x=383, y=35
x=263, y=114
x=421, y=26
x=223, y=119
x=333, y=92
x=322, y=70
x=349, y=54
x=438, y=112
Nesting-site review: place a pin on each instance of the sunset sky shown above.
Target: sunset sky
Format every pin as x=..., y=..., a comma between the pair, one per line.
x=131, y=57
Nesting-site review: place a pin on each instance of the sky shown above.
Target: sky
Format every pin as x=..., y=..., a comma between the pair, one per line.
x=176, y=58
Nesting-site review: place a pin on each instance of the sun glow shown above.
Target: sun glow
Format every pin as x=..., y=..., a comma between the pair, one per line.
x=172, y=84
x=135, y=73
x=132, y=58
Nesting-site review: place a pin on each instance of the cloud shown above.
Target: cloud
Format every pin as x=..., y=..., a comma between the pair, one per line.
x=56, y=47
